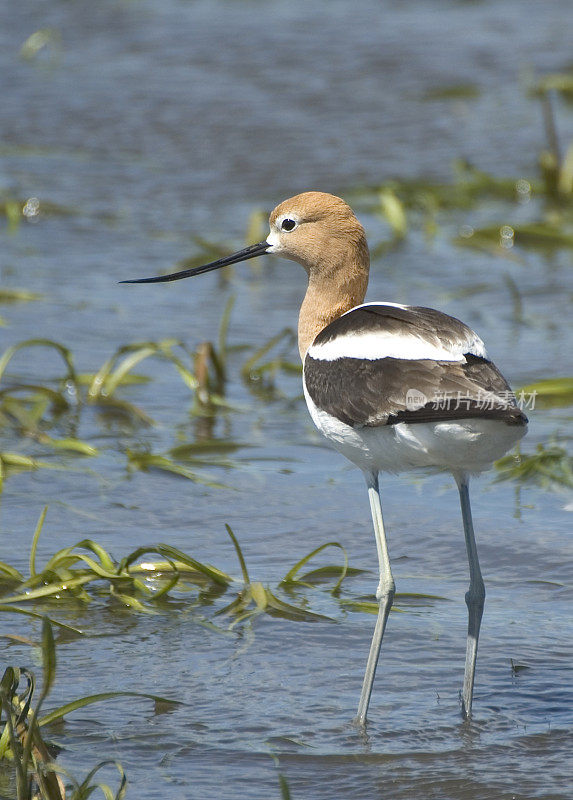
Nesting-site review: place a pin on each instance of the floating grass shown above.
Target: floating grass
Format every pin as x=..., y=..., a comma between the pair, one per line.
x=551, y=392
x=145, y=461
x=64, y=352
x=31, y=409
x=31, y=209
x=516, y=668
x=290, y=578
x=259, y=373
x=549, y=466
x=143, y=583
x=255, y=598
x=455, y=91
x=560, y=82
x=540, y=235
x=70, y=570
x=22, y=743
x=369, y=604
x=11, y=463
x=470, y=187
x=402, y=203
x=37, y=411
x=17, y=295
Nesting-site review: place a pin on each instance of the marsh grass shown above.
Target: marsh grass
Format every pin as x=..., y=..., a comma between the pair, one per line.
x=549, y=466
x=551, y=392
x=10, y=295
x=161, y=578
x=17, y=210
x=40, y=411
x=470, y=187
x=48, y=414
x=145, y=583
x=404, y=203
x=260, y=372
x=409, y=203
x=25, y=753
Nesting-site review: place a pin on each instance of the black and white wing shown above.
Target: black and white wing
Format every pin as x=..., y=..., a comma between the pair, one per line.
x=380, y=364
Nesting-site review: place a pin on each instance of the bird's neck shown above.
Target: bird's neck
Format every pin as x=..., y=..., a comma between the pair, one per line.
x=333, y=289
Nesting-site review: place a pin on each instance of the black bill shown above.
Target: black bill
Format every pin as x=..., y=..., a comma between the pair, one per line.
x=252, y=251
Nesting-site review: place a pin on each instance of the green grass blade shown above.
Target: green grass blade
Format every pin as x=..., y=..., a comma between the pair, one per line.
x=8, y=295
x=56, y=398
x=238, y=605
x=290, y=576
x=239, y=555
x=48, y=656
x=10, y=572
x=25, y=462
x=82, y=702
x=86, y=789
x=283, y=785
x=64, y=352
x=550, y=393
x=259, y=595
x=129, y=601
x=114, y=407
x=249, y=365
x=32, y=734
x=128, y=363
x=294, y=612
x=367, y=606
x=224, y=334
x=47, y=591
x=146, y=461
x=106, y=560
x=35, y=615
x=71, y=444
x=173, y=553
x=35, y=538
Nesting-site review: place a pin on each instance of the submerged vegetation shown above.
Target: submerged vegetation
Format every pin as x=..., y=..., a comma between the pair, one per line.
x=27, y=759
x=549, y=197
x=76, y=576
x=42, y=425
x=38, y=412
x=548, y=466
x=160, y=578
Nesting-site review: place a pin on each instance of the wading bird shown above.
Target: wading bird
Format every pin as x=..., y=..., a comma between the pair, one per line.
x=392, y=387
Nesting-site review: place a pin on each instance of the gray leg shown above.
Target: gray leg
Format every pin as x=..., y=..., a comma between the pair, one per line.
x=475, y=597
x=384, y=595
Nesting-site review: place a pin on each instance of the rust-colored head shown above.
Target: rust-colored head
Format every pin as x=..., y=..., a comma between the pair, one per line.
x=319, y=231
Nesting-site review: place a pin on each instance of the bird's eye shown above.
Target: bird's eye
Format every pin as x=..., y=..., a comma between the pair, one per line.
x=288, y=224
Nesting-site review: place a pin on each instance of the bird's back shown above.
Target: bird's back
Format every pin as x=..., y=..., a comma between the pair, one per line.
x=418, y=373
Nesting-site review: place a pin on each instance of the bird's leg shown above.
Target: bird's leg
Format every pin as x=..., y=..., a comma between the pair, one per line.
x=384, y=595
x=475, y=597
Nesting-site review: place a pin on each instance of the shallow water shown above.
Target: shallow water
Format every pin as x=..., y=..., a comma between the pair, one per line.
x=153, y=122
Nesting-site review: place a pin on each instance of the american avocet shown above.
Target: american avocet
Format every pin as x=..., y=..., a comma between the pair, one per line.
x=392, y=387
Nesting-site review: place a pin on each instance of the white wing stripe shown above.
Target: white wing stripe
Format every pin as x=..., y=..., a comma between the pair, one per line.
x=371, y=346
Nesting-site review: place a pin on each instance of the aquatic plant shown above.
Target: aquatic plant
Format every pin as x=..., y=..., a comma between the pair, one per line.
x=143, y=583
x=23, y=749
x=549, y=466
x=36, y=411
x=403, y=203
x=158, y=578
